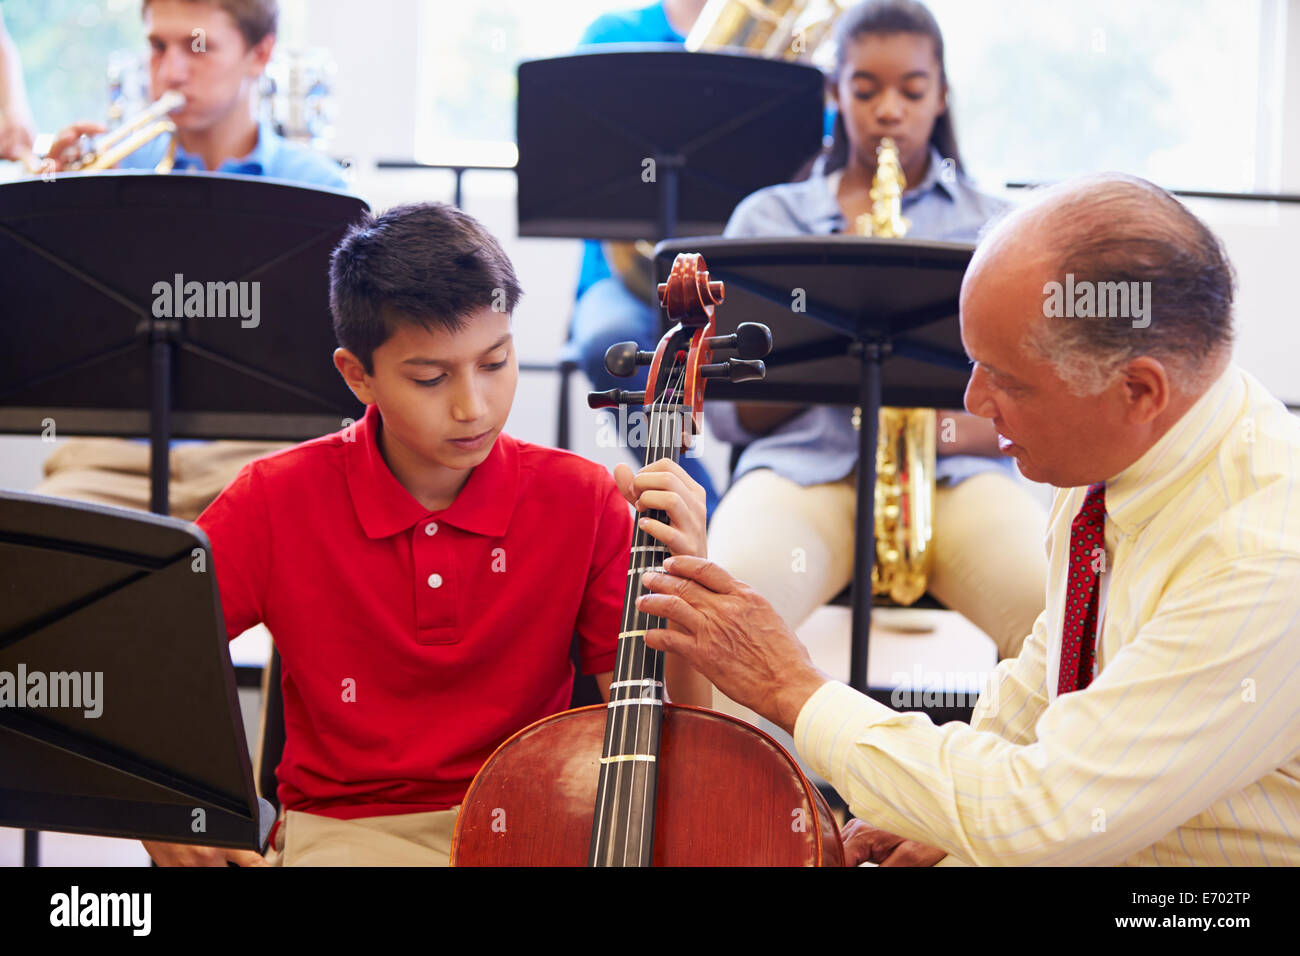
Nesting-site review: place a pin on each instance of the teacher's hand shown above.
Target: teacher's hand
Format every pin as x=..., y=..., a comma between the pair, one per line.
x=864, y=843
x=726, y=631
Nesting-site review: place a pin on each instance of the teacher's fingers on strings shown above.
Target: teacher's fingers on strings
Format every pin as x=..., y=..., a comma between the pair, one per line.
x=674, y=609
x=704, y=572
x=673, y=641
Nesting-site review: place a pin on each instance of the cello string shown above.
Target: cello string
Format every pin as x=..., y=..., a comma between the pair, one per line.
x=654, y=450
x=627, y=670
x=636, y=669
x=632, y=668
x=662, y=446
x=658, y=447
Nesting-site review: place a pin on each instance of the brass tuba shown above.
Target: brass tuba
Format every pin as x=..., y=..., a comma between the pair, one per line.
x=785, y=29
x=776, y=29
x=905, y=455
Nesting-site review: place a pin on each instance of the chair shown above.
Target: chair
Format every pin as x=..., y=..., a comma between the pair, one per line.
x=565, y=367
x=270, y=732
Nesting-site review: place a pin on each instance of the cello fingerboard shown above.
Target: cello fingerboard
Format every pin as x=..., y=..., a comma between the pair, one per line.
x=622, y=831
x=623, y=826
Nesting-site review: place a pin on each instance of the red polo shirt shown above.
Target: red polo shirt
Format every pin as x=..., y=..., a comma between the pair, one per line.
x=414, y=642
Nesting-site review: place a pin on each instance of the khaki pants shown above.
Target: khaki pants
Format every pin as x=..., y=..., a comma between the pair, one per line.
x=794, y=545
x=400, y=839
x=112, y=471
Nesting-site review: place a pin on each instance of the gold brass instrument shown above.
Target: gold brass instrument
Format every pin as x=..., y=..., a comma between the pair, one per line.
x=109, y=149
x=776, y=29
x=886, y=217
x=786, y=29
x=633, y=262
x=905, y=455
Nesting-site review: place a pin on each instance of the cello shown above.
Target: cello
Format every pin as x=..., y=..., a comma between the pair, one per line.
x=641, y=781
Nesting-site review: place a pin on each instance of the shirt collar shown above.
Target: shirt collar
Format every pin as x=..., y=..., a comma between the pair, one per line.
x=384, y=507
x=824, y=203
x=256, y=163
x=265, y=150
x=1139, y=491
x=820, y=205
x=934, y=178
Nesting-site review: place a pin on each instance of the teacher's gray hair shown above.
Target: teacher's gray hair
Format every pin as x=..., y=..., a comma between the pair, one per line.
x=1113, y=227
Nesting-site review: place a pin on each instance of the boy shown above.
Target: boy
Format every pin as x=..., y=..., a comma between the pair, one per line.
x=214, y=131
x=422, y=572
x=215, y=51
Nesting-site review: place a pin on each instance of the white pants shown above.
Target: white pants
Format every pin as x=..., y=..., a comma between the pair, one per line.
x=794, y=545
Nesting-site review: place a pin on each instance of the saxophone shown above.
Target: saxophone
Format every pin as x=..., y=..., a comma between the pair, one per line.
x=905, y=455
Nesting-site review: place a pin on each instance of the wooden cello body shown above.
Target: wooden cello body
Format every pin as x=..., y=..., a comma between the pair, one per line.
x=641, y=781
x=728, y=795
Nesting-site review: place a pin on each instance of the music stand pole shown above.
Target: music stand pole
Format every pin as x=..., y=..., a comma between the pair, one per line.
x=864, y=541
x=914, y=328
x=160, y=423
x=669, y=164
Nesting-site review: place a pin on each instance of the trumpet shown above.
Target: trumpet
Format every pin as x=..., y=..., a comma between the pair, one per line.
x=109, y=149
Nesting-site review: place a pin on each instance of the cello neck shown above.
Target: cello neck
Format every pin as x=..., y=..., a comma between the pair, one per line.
x=623, y=826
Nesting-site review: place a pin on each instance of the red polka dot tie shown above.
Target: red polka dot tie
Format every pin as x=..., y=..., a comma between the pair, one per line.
x=1082, y=594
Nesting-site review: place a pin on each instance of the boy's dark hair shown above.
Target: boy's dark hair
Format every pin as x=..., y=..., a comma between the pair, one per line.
x=425, y=263
x=255, y=18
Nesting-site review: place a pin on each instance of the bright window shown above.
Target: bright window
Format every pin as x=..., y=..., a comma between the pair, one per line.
x=1177, y=92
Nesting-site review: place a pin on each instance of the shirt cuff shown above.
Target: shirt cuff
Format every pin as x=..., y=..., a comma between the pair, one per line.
x=830, y=723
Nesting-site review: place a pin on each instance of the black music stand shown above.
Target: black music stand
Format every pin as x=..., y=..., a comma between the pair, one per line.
x=717, y=125
x=132, y=597
x=884, y=331
x=88, y=260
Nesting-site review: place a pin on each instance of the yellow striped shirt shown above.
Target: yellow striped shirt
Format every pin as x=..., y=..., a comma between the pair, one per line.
x=1185, y=749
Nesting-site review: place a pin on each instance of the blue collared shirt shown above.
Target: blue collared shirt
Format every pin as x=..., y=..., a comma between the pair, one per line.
x=820, y=444
x=273, y=156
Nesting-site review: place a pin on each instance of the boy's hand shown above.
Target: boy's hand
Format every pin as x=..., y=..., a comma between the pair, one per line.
x=62, y=147
x=665, y=486
x=186, y=854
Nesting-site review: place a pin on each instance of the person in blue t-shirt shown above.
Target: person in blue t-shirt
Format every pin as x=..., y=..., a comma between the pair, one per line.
x=606, y=311
x=214, y=52
x=786, y=526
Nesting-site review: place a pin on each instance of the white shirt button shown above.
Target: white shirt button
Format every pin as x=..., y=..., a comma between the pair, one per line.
x=435, y=580
x=431, y=528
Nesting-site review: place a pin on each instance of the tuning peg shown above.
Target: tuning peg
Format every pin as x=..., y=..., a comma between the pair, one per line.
x=736, y=370
x=751, y=340
x=614, y=397
x=622, y=359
